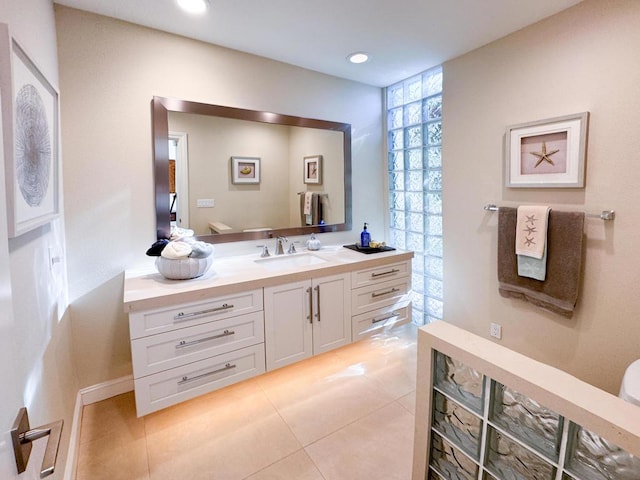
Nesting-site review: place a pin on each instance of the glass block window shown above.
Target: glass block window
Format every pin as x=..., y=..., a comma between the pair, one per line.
x=481, y=428
x=414, y=138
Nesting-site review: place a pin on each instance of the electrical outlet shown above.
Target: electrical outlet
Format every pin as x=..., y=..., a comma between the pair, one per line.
x=495, y=330
x=205, y=203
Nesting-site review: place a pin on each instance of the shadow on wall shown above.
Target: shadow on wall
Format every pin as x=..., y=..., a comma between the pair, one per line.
x=100, y=334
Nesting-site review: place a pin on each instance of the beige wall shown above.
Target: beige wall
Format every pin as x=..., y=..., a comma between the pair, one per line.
x=40, y=331
x=309, y=142
x=584, y=59
x=211, y=143
x=109, y=72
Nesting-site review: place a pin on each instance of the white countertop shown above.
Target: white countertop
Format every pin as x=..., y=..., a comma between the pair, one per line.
x=146, y=288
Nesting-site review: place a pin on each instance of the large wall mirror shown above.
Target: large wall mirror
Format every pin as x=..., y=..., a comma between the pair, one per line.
x=231, y=174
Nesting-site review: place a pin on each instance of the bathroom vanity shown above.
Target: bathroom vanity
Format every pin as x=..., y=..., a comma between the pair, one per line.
x=249, y=315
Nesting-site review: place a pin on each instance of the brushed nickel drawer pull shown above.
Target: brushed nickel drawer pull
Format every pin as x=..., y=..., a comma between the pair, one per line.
x=185, y=316
x=390, y=272
x=186, y=379
x=388, y=317
x=310, y=316
x=317, y=289
x=184, y=344
x=393, y=290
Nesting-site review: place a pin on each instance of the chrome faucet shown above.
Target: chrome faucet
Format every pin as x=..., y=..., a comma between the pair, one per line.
x=279, y=242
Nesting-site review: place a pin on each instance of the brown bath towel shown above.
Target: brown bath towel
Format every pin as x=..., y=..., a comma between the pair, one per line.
x=559, y=292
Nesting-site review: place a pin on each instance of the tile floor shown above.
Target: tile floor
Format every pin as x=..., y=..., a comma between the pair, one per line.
x=343, y=415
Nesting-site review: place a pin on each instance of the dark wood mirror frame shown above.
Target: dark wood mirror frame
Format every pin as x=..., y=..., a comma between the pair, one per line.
x=161, y=107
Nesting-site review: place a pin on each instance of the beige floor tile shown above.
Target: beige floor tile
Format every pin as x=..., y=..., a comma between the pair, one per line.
x=305, y=372
x=393, y=342
x=232, y=439
x=378, y=446
x=112, y=441
x=115, y=416
x=193, y=410
x=397, y=377
x=113, y=458
x=388, y=358
x=353, y=402
x=294, y=467
x=409, y=402
x=315, y=409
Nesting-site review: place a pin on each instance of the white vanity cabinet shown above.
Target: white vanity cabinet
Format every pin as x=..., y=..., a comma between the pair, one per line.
x=306, y=318
x=246, y=317
x=380, y=298
x=186, y=350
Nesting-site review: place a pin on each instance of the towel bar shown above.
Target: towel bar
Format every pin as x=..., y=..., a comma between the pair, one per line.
x=604, y=215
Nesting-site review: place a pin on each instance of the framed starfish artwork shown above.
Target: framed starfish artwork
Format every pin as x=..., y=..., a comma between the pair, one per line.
x=547, y=153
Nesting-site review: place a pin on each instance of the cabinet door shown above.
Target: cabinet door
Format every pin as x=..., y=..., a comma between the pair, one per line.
x=331, y=312
x=287, y=323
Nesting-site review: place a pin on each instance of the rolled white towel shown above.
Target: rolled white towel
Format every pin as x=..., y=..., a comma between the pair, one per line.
x=178, y=232
x=176, y=250
x=201, y=249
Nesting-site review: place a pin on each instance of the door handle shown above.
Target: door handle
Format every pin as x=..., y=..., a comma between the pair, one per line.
x=22, y=435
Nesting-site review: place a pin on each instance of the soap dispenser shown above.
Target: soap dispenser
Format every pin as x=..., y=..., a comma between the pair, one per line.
x=365, y=238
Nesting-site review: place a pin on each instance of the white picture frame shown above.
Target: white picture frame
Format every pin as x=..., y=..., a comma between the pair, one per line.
x=31, y=118
x=547, y=153
x=313, y=170
x=245, y=170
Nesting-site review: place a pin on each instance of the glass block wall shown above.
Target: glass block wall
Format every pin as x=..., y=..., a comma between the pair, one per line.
x=483, y=430
x=414, y=129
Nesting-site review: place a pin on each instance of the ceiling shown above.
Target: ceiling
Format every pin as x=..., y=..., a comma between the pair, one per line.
x=402, y=37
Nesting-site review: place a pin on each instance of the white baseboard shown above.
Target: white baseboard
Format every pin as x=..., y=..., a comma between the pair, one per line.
x=74, y=440
x=86, y=396
x=102, y=391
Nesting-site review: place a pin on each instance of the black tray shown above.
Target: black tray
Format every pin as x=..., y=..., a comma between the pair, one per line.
x=368, y=250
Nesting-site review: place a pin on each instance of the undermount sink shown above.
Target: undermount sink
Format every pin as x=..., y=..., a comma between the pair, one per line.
x=295, y=260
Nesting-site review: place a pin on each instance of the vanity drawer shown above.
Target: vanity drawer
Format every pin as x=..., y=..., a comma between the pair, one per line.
x=163, y=389
x=150, y=322
x=367, y=324
x=373, y=276
x=155, y=353
x=366, y=299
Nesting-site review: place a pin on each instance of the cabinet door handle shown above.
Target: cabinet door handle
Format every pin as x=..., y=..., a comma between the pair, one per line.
x=388, y=317
x=184, y=344
x=310, y=316
x=185, y=316
x=381, y=274
x=393, y=290
x=317, y=289
x=186, y=379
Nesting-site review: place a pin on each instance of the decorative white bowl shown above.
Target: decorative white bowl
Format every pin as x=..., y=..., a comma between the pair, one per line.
x=183, y=268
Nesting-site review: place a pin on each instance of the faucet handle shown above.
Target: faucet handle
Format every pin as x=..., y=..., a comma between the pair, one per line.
x=265, y=250
x=292, y=248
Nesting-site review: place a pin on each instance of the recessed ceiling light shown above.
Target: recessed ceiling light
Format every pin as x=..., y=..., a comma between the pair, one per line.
x=358, y=57
x=194, y=6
